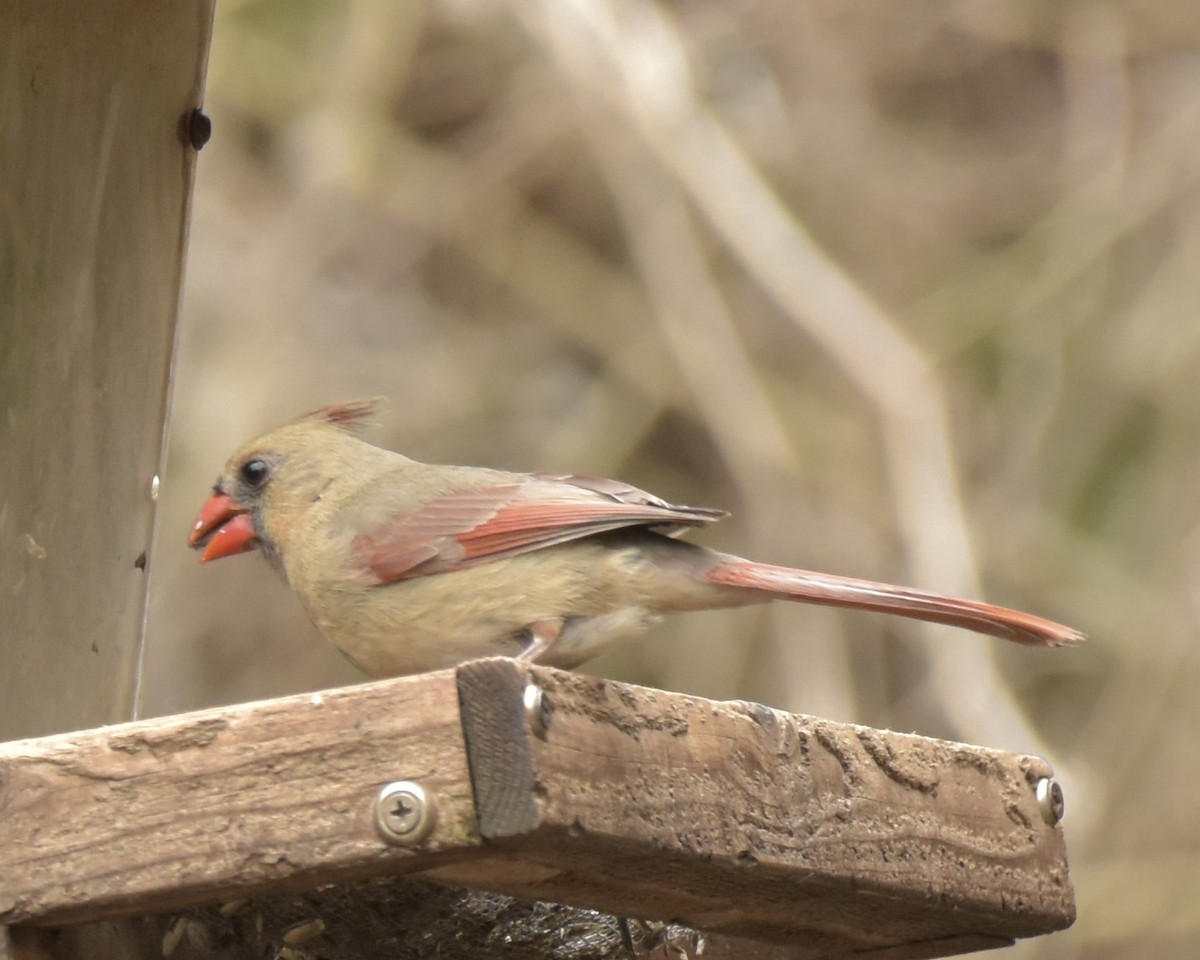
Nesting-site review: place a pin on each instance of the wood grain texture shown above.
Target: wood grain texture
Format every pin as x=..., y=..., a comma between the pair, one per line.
x=272, y=796
x=814, y=839
x=734, y=817
x=93, y=215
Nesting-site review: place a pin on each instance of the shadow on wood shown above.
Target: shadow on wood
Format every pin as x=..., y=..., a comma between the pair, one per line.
x=819, y=839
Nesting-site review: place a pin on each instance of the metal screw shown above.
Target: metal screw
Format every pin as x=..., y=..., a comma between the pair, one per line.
x=537, y=710
x=404, y=813
x=1050, y=800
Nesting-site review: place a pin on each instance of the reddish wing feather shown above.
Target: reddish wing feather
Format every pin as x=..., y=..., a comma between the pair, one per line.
x=464, y=529
x=527, y=526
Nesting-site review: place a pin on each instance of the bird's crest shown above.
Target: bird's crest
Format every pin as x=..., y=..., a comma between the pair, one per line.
x=349, y=415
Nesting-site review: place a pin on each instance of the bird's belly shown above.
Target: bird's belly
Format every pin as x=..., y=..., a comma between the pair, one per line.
x=429, y=623
x=413, y=648
x=409, y=636
x=585, y=637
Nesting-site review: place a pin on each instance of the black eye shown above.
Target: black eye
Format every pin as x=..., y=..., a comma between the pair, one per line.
x=254, y=472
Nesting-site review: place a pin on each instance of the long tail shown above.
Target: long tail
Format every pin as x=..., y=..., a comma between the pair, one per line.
x=807, y=586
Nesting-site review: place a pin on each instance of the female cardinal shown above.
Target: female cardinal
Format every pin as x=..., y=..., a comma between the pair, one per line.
x=407, y=566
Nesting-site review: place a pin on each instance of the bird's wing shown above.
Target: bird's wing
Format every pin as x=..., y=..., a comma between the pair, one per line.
x=469, y=527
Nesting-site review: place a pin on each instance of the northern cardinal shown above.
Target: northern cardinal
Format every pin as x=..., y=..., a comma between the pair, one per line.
x=407, y=566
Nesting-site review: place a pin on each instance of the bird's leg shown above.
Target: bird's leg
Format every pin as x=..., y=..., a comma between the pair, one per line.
x=543, y=635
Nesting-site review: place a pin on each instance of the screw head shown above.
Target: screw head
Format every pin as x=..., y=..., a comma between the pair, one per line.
x=1050, y=800
x=404, y=813
x=537, y=709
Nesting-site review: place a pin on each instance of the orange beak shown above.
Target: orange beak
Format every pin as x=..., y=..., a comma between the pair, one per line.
x=222, y=529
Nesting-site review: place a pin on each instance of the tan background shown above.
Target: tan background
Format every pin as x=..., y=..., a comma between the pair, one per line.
x=911, y=289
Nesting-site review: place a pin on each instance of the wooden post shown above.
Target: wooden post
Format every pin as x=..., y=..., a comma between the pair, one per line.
x=743, y=822
x=95, y=178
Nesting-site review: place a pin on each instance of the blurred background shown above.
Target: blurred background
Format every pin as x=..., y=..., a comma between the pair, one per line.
x=910, y=289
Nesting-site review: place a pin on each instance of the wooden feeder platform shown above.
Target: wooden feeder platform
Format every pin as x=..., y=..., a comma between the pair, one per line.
x=456, y=813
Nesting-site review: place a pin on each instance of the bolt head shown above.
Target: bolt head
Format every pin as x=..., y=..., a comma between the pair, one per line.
x=197, y=129
x=537, y=709
x=404, y=813
x=1050, y=799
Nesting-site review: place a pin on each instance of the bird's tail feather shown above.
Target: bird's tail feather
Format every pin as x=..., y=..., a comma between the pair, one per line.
x=806, y=586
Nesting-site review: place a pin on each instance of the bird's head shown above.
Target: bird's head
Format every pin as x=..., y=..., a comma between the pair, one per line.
x=267, y=485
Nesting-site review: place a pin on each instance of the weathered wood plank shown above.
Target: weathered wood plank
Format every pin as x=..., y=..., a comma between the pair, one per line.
x=818, y=838
x=95, y=184
x=263, y=797
x=758, y=823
